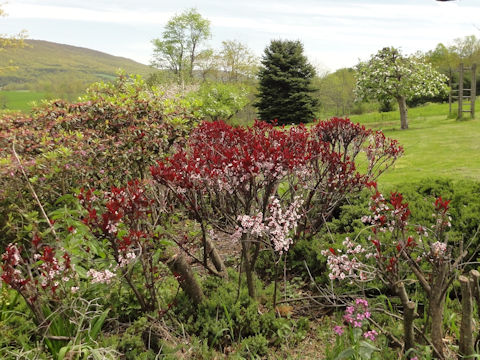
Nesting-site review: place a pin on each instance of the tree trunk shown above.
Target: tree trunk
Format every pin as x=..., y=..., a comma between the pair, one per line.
x=402, y=106
x=408, y=317
x=436, y=312
x=247, y=266
x=475, y=287
x=465, y=347
x=215, y=257
x=180, y=268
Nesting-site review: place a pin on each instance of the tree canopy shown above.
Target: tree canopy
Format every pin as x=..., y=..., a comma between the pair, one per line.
x=179, y=46
x=237, y=60
x=390, y=75
x=10, y=41
x=285, y=91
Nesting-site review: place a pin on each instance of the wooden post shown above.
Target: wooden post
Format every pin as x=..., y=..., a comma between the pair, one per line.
x=465, y=346
x=460, y=91
x=450, y=93
x=473, y=92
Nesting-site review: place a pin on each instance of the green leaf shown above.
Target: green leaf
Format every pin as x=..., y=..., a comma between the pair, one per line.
x=97, y=324
x=345, y=354
x=366, y=349
x=62, y=352
x=82, y=272
x=97, y=355
x=357, y=333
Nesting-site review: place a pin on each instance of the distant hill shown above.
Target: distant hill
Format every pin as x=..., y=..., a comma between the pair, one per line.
x=57, y=68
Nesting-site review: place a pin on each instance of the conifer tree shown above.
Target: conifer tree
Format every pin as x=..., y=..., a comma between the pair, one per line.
x=285, y=92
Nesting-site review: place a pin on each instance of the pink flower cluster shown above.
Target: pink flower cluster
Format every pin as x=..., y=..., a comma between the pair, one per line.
x=343, y=266
x=356, y=316
x=372, y=335
x=101, y=277
x=276, y=227
x=438, y=249
x=280, y=223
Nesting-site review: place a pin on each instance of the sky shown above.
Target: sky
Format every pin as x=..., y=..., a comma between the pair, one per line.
x=335, y=33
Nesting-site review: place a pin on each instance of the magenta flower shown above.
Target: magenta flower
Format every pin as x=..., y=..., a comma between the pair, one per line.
x=339, y=330
x=372, y=334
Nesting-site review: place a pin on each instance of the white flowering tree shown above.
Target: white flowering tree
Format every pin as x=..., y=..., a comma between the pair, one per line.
x=390, y=75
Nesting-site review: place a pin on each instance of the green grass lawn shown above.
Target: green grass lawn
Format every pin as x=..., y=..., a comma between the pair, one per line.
x=19, y=100
x=435, y=145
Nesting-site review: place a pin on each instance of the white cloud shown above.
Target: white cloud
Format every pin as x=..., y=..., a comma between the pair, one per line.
x=107, y=15
x=335, y=32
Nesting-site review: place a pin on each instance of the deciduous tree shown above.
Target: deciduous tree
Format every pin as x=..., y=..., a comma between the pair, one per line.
x=237, y=60
x=10, y=41
x=179, y=46
x=390, y=75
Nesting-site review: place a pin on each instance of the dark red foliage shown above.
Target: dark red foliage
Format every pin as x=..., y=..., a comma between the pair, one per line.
x=441, y=205
x=122, y=204
x=246, y=165
x=30, y=273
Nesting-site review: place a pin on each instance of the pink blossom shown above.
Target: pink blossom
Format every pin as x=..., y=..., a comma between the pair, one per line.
x=102, y=277
x=338, y=330
x=372, y=334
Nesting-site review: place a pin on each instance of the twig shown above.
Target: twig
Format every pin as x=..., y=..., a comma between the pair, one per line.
x=387, y=333
x=34, y=194
x=58, y=337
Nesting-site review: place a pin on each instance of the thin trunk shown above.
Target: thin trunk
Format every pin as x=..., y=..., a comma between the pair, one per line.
x=408, y=317
x=275, y=287
x=436, y=312
x=215, y=257
x=465, y=347
x=179, y=266
x=204, y=244
x=248, y=270
x=254, y=258
x=126, y=274
x=402, y=106
x=35, y=307
x=475, y=287
x=192, y=59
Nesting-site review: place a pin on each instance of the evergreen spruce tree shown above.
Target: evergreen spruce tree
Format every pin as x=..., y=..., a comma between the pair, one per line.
x=285, y=91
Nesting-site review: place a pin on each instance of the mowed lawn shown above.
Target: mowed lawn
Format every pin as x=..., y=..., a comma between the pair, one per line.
x=435, y=146
x=19, y=100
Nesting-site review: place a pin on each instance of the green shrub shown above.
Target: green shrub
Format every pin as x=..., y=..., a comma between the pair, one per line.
x=223, y=319
x=254, y=347
x=132, y=343
x=464, y=211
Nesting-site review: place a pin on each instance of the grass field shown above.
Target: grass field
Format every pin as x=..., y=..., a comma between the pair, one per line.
x=19, y=100
x=435, y=145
